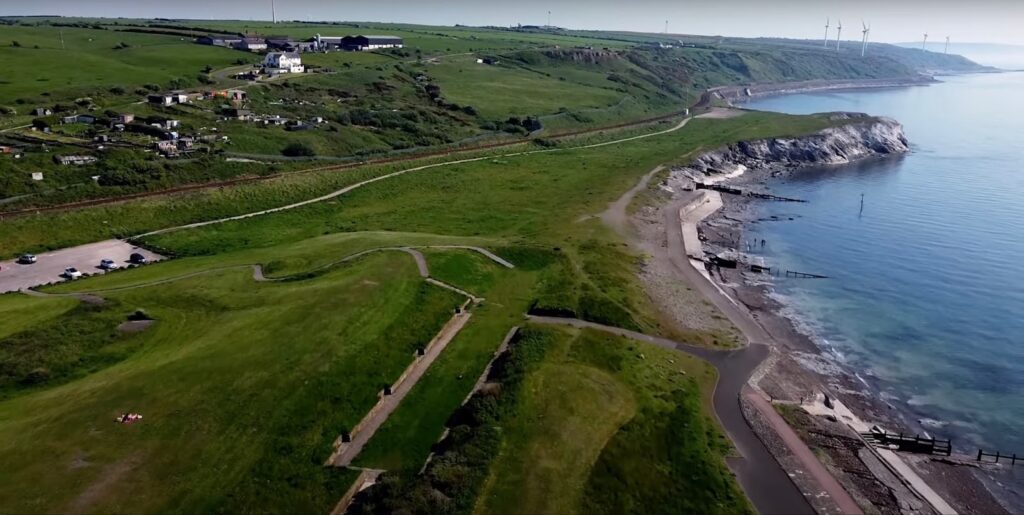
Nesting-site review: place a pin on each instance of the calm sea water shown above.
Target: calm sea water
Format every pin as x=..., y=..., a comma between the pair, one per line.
x=926, y=299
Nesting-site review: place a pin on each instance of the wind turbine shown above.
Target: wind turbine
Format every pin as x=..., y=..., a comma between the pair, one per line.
x=947, y=46
x=925, y=42
x=839, y=33
x=864, y=39
x=826, y=31
x=273, y=12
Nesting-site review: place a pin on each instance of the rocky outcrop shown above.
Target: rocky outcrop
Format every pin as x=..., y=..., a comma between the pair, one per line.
x=862, y=137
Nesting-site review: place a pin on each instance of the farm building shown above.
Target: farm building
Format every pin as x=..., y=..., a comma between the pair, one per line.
x=283, y=62
x=252, y=44
x=219, y=41
x=6, y=150
x=125, y=118
x=325, y=43
x=42, y=111
x=362, y=43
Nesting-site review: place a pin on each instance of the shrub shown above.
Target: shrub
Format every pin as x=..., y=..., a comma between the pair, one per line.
x=298, y=150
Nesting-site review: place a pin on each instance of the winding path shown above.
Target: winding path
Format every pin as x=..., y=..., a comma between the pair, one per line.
x=760, y=474
x=346, y=189
x=259, y=276
x=766, y=484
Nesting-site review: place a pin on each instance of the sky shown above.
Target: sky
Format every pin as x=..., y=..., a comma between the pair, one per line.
x=985, y=21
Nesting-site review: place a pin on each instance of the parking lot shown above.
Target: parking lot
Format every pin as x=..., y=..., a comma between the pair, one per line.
x=50, y=265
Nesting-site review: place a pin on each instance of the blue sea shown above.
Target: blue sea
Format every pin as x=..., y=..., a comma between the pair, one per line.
x=925, y=300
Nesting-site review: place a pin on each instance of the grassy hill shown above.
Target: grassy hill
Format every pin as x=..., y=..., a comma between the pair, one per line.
x=432, y=94
x=244, y=385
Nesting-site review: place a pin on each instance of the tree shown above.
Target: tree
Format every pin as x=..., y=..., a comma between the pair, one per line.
x=298, y=150
x=15, y=44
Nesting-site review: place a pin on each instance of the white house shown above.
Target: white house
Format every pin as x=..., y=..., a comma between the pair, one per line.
x=283, y=62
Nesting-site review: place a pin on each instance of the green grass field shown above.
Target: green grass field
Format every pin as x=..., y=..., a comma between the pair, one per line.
x=248, y=383
x=244, y=385
x=594, y=396
x=89, y=62
x=498, y=92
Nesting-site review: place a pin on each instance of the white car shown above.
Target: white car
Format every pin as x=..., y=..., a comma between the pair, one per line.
x=109, y=264
x=72, y=273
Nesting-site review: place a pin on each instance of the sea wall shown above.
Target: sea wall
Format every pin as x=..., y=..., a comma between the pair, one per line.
x=834, y=145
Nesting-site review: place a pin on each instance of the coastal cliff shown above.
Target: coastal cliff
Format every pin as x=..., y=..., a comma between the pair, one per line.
x=864, y=136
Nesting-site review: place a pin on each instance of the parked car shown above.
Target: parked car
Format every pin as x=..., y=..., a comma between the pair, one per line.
x=27, y=259
x=137, y=259
x=109, y=264
x=72, y=273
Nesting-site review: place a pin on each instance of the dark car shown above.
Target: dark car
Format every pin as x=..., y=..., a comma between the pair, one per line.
x=137, y=259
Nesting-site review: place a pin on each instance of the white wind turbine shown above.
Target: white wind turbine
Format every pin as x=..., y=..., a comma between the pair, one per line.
x=864, y=38
x=827, y=21
x=925, y=42
x=839, y=33
x=947, y=45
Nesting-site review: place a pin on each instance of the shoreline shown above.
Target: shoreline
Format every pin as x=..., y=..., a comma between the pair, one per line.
x=807, y=367
x=741, y=94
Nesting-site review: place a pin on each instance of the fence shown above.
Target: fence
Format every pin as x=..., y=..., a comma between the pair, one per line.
x=1013, y=457
x=916, y=444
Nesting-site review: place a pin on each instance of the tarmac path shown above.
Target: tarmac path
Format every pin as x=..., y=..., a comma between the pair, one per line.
x=764, y=481
x=759, y=473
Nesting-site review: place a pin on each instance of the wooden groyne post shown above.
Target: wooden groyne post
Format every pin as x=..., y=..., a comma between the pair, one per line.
x=1013, y=457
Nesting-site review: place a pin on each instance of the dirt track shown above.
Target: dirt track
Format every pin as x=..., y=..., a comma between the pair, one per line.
x=342, y=191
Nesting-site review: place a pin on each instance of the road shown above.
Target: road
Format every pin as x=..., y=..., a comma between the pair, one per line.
x=50, y=266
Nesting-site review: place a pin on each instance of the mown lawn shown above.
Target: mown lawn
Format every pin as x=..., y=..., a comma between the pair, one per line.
x=243, y=387
x=594, y=397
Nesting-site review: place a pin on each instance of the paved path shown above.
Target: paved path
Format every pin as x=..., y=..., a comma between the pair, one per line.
x=803, y=453
x=681, y=219
x=764, y=481
x=346, y=452
x=342, y=191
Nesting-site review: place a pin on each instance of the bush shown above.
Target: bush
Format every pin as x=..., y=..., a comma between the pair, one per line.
x=298, y=150
x=117, y=90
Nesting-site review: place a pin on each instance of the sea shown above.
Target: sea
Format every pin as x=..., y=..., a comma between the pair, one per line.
x=924, y=255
